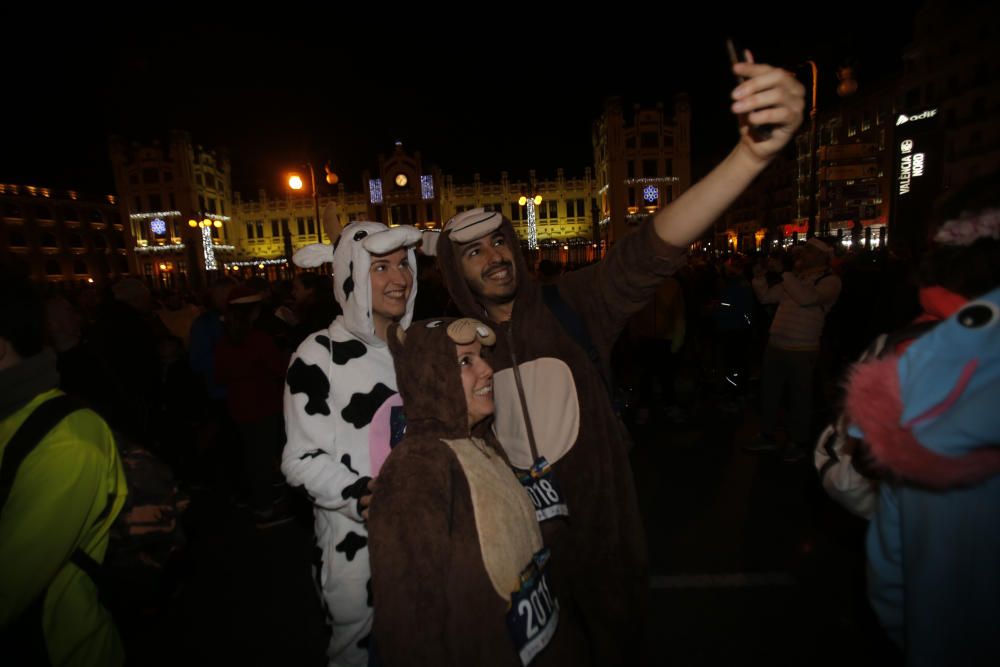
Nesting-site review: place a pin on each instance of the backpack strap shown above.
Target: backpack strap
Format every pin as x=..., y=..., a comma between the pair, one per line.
x=28, y=435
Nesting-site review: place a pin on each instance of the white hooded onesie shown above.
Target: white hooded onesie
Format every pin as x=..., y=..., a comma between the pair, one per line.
x=337, y=380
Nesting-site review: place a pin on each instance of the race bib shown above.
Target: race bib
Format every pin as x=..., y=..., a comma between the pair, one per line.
x=534, y=611
x=542, y=488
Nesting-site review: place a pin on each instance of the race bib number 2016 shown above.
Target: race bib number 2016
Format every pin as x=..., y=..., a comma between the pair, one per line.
x=534, y=611
x=540, y=483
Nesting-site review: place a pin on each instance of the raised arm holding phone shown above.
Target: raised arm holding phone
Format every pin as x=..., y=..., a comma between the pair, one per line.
x=552, y=407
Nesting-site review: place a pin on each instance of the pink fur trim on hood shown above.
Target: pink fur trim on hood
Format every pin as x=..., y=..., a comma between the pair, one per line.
x=873, y=403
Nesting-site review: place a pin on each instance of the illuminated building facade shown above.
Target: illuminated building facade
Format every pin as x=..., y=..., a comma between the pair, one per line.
x=642, y=161
x=177, y=201
x=64, y=236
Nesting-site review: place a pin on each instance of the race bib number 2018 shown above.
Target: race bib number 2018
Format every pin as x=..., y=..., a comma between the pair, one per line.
x=534, y=611
x=540, y=483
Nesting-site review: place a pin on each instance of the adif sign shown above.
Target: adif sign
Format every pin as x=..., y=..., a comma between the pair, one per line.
x=911, y=165
x=903, y=118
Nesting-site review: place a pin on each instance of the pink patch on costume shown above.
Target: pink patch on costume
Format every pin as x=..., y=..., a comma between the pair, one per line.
x=380, y=433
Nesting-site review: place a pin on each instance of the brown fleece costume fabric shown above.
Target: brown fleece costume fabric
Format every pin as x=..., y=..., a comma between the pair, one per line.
x=601, y=545
x=447, y=523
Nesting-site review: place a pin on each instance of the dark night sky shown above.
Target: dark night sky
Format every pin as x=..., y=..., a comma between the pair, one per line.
x=506, y=94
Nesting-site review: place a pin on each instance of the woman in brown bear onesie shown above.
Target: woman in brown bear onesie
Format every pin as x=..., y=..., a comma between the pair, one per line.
x=459, y=573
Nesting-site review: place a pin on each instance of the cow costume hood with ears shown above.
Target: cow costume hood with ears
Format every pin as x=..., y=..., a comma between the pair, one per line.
x=351, y=256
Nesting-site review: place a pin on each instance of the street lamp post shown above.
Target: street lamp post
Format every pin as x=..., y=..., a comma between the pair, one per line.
x=813, y=161
x=295, y=183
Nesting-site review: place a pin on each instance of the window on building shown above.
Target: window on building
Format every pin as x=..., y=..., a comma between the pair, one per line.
x=215, y=232
x=173, y=204
x=95, y=216
x=201, y=203
x=15, y=237
x=211, y=205
x=49, y=240
x=668, y=140
x=631, y=196
x=912, y=98
x=250, y=230
x=75, y=240
x=99, y=241
x=649, y=140
x=138, y=203
x=866, y=121
x=259, y=225
x=80, y=267
x=649, y=169
x=43, y=212
x=312, y=223
x=70, y=214
x=150, y=175
x=52, y=268
x=168, y=177
x=199, y=179
x=274, y=229
x=155, y=203
x=630, y=169
x=301, y=224
x=581, y=211
x=11, y=211
x=210, y=181
x=133, y=178
x=515, y=212
x=222, y=206
x=668, y=167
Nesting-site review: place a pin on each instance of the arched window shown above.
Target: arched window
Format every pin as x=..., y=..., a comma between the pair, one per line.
x=80, y=268
x=52, y=268
x=49, y=240
x=75, y=240
x=99, y=241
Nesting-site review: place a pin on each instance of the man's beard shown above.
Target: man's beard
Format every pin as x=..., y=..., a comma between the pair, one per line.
x=481, y=296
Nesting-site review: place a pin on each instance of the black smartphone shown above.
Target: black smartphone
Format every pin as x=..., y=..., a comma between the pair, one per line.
x=758, y=132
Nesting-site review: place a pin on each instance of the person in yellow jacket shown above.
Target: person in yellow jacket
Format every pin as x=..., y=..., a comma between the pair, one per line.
x=59, y=505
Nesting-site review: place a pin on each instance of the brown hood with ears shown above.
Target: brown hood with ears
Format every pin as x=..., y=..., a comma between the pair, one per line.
x=428, y=375
x=449, y=262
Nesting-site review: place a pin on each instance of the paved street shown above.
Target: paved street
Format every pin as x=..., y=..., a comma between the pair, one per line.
x=751, y=565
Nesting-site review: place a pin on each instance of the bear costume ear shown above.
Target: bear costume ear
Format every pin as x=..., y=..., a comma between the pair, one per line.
x=465, y=330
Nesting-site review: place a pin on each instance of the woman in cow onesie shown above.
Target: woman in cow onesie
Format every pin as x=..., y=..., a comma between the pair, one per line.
x=338, y=379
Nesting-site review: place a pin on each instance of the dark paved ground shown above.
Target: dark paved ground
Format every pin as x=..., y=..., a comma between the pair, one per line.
x=751, y=565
